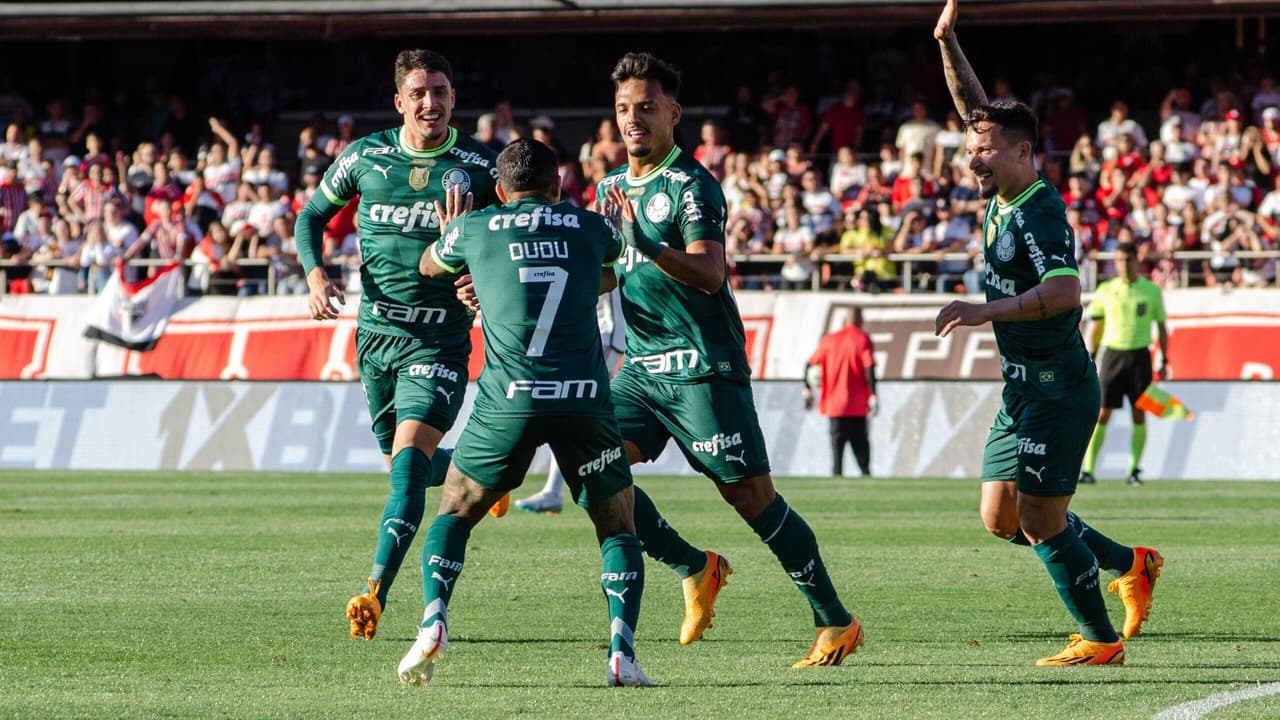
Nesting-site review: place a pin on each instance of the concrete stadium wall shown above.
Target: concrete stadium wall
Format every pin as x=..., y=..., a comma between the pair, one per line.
x=924, y=428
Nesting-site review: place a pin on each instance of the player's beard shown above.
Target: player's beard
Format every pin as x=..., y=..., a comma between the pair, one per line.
x=639, y=151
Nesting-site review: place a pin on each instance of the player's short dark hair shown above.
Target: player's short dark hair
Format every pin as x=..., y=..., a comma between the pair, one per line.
x=1017, y=121
x=430, y=61
x=527, y=165
x=1127, y=248
x=646, y=66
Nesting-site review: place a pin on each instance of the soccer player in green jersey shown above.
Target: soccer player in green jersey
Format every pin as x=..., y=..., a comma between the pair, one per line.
x=1122, y=313
x=537, y=265
x=1051, y=396
x=686, y=376
x=412, y=333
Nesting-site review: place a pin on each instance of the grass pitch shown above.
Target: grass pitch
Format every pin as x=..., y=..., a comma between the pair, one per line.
x=185, y=595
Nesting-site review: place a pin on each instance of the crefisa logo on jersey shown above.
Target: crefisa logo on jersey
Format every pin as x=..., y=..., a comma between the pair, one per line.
x=717, y=442
x=456, y=177
x=658, y=208
x=1005, y=247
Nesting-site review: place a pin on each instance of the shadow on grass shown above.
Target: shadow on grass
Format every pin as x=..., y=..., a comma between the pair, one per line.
x=1201, y=635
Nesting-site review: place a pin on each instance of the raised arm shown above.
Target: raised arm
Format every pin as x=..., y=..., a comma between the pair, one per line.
x=966, y=91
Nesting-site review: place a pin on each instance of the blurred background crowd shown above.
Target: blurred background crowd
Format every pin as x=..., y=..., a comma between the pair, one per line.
x=844, y=180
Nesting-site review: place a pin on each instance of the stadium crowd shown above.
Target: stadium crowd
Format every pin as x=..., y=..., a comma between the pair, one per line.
x=836, y=188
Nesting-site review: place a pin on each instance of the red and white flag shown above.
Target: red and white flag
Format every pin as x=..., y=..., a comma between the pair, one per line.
x=134, y=315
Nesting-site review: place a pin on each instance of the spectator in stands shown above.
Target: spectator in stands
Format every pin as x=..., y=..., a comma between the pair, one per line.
x=166, y=238
x=797, y=242
x=86, y=200
x=948, y=146
x=776, y=176
x=34, y=170
x=1270, y=132
x=26, y=225
x=607, y=144
x=200, y=204
x=14, y=146
x=744, y=121
x=1062, y=121
x=712, y=151
x=504, y=123
x=820, y=206
x=266, y=172
x=486, y=132
x=222, y=164
x=875, y=191
x=847, y=175
x=346, y=134
x=1084, y=160
x=60, y=247
x=214, y=270
x=844, y=121
x=916, y=135
x=947, y=234
x=791, y=119
x=98, y=254
x=164, y=189
x=1177, y=148
x=910, y=241
x=911, y=185
x=869, y=242
x=1117, y=124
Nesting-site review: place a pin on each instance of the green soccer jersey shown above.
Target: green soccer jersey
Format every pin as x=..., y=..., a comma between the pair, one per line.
x=398, y=187
x=1127, y=311
x=1027, y=242
x=536, y=268
x=677, y=333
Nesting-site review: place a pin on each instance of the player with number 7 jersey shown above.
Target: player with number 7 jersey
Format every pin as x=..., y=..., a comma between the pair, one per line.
x=538, y=267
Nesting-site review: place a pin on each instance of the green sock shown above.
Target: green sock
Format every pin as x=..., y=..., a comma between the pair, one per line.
x=401, y=516
x=793, y=543
x=1075, y=576
x=661, y=541
x=443, y=553
x=622, y=579
x=1112, y=556
x=440, y=466
x=1137, y=444
x=1095, y=447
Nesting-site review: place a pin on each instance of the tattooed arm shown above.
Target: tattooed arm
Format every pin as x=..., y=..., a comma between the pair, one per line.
x=965, y=89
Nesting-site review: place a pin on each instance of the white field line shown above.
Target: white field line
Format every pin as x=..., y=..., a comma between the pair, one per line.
x=1196, y=709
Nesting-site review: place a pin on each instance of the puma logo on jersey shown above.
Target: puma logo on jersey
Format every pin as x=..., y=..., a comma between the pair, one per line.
x=1060, y=258
x=619, y=595
x=1035, y=472
x=740, y=458
x=445, y=583
x=383, y=170
x=448, y=396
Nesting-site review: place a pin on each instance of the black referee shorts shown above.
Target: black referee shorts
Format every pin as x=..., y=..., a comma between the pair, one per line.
x=1124, y=374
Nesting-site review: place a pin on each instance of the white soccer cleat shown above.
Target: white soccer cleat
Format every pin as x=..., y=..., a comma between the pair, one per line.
x=420, y=662
x=624, y=672
x=542, y=502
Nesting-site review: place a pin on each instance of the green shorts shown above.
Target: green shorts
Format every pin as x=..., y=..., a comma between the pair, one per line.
x=496, y=452
x=713, y=422
x=403, y=380
x=1040, y=444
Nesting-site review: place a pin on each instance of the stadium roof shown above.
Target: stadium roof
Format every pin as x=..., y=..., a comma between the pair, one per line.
x=334, y=19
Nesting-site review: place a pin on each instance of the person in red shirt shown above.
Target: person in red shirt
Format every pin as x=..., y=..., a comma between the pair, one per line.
x=846, y=361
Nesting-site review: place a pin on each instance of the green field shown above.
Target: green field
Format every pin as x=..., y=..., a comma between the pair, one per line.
x=220, y=596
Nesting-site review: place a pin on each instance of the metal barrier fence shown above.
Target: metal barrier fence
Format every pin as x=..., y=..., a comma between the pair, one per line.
x=757, y=267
